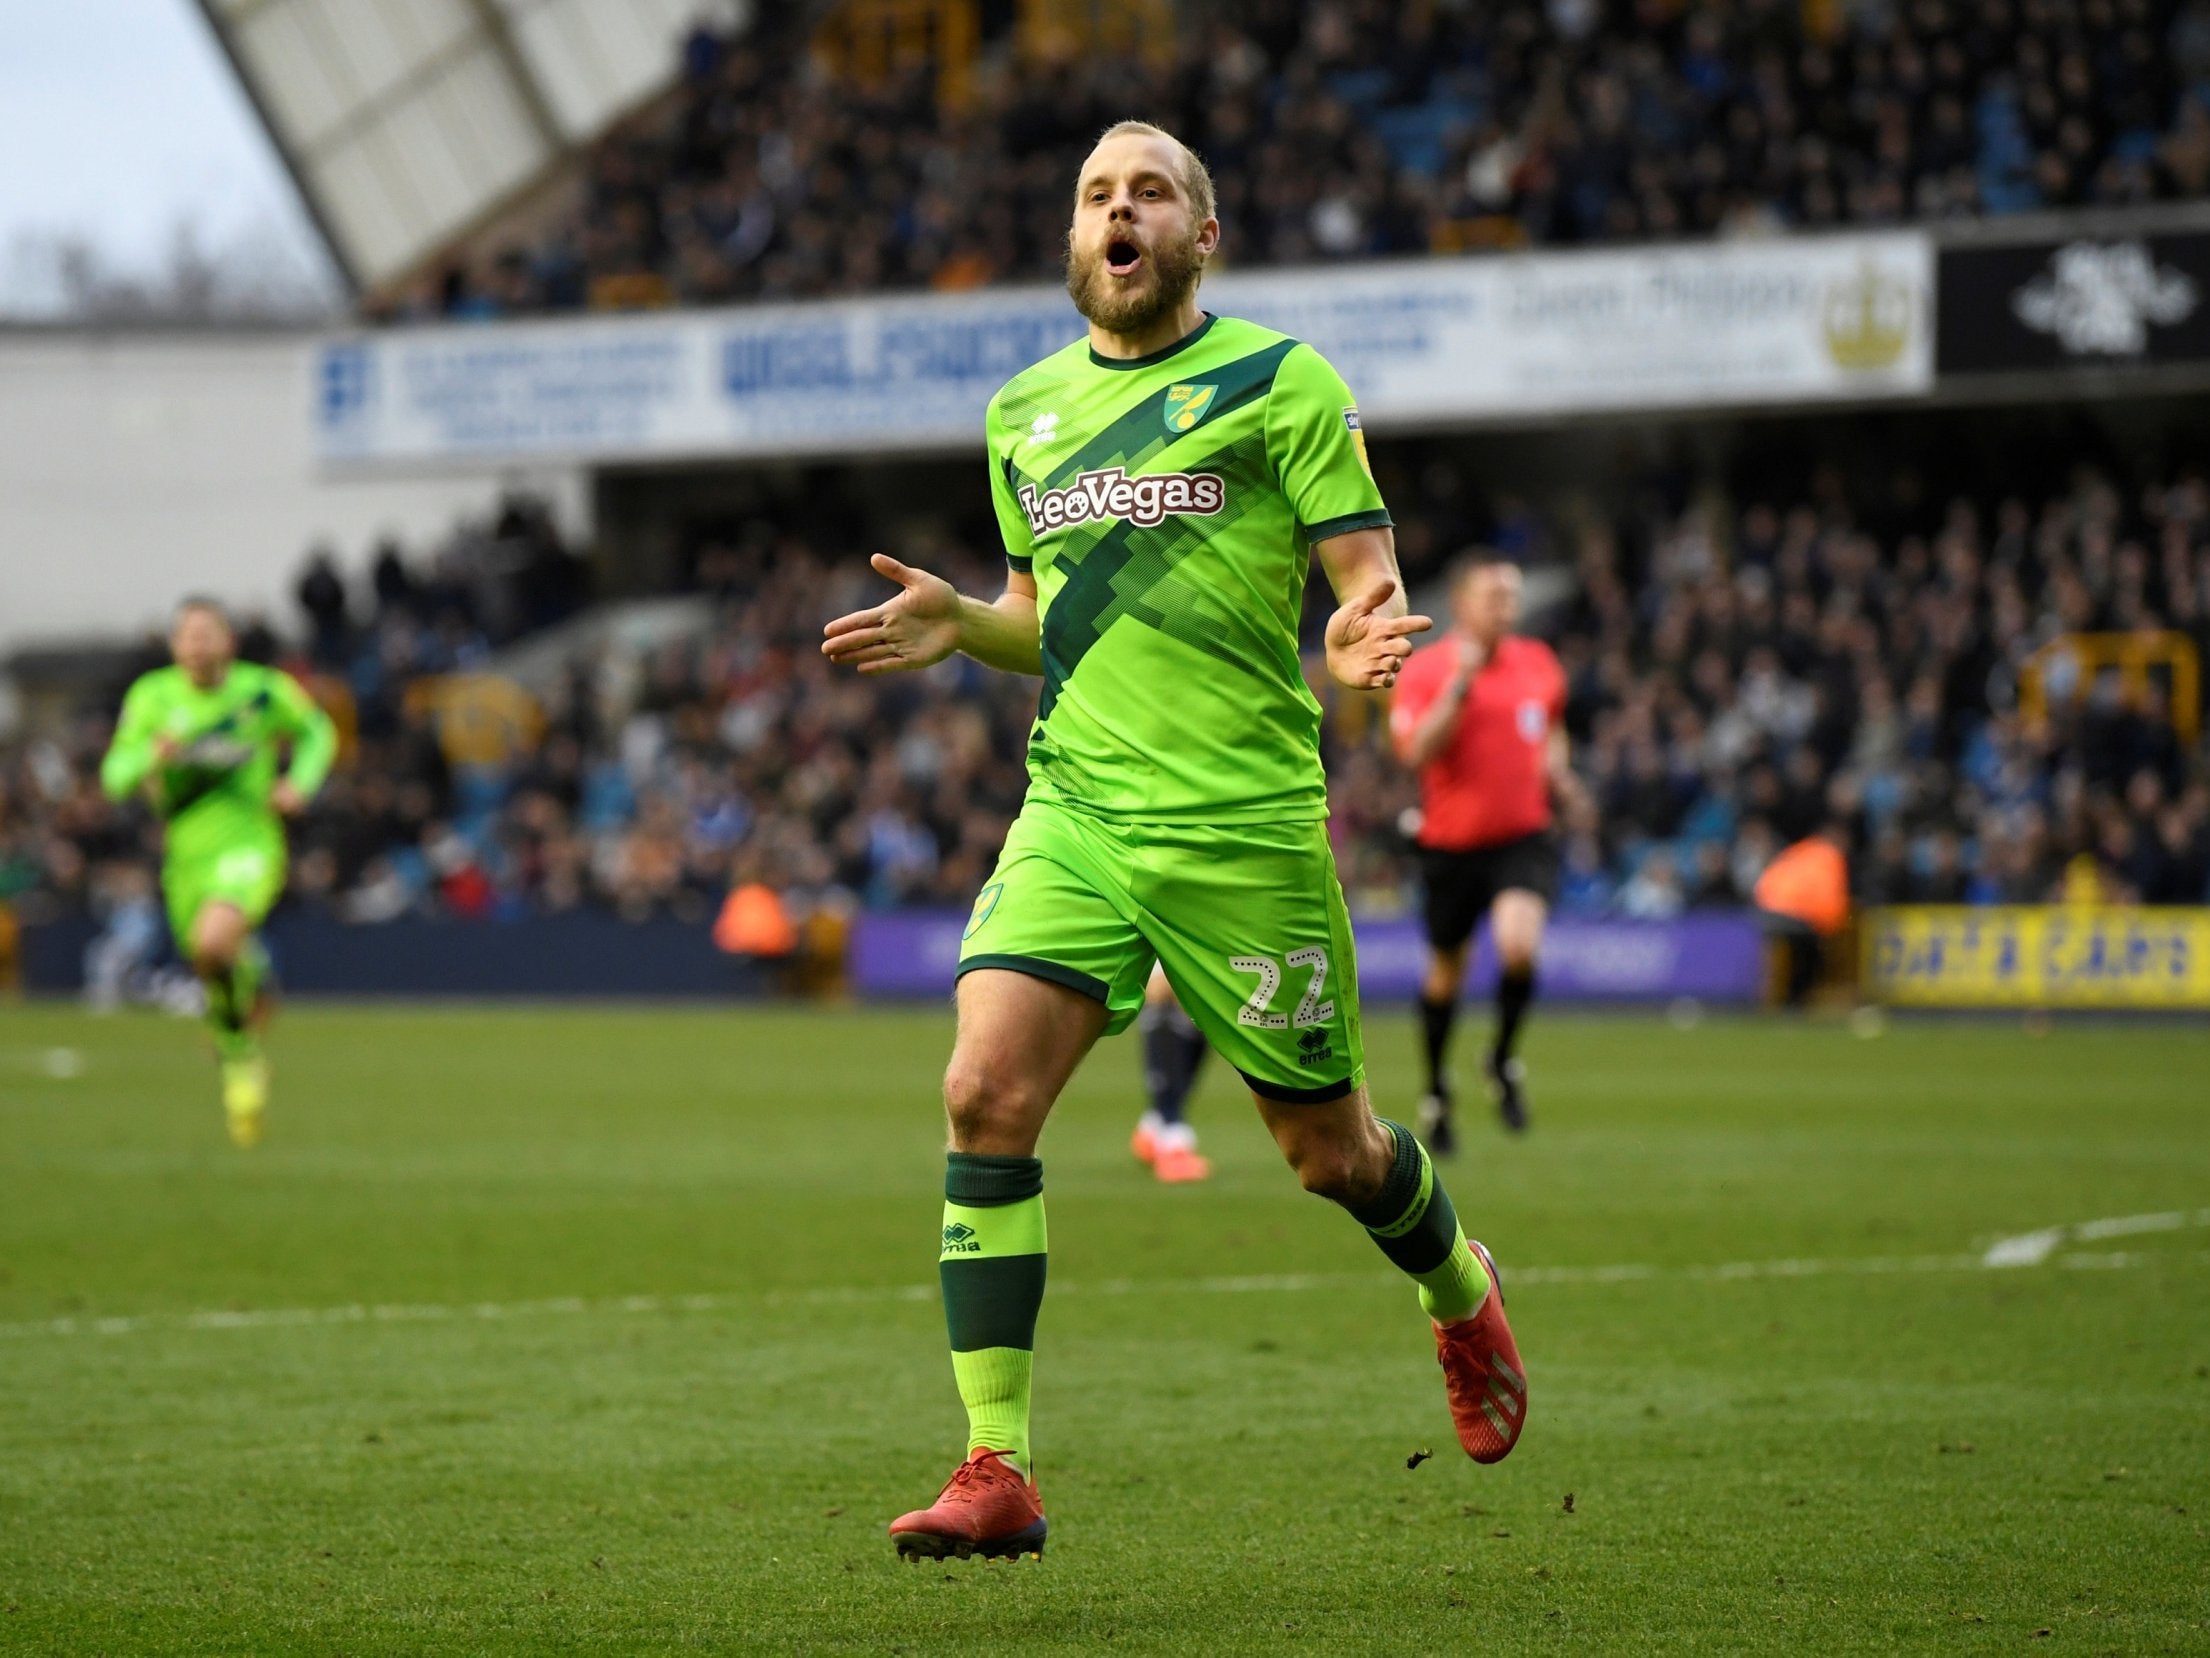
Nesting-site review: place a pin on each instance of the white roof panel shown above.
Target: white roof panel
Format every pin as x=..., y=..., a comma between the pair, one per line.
x=406, y=121
x=296, y=91
x=374, y=234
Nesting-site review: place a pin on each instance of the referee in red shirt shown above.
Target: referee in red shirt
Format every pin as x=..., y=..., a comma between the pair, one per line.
x=1479, y=715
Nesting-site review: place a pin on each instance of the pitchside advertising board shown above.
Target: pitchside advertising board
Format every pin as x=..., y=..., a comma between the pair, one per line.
x=2029, y=956
x=1422, y=342
x=2077, y=303
x=1717, y=958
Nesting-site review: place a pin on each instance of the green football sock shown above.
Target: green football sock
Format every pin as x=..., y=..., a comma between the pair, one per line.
x=992, y=1269
x=230, y=999
x=1415, y=1226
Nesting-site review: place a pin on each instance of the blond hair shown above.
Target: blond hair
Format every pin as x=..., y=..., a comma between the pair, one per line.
x=1196, y=181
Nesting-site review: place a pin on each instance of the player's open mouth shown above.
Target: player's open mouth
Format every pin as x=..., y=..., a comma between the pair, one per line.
x=1122, y=257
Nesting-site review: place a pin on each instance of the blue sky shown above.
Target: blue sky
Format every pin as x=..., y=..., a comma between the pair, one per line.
x=119, y=120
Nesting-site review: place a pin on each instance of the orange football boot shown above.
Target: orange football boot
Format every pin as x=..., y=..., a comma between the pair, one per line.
x=1144, y=1144
x=1174, y=1164
x=1483, y=1375
x=987, y=1507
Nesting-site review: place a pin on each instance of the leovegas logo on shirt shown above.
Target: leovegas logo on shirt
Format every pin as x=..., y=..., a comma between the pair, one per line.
x=1101, y=497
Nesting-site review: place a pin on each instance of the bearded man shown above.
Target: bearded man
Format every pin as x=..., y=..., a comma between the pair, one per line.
x=1162, y=486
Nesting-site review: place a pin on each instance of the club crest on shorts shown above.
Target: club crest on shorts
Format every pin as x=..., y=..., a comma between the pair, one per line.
x=1532, y=720
x=1186, y=406
x=986, y=903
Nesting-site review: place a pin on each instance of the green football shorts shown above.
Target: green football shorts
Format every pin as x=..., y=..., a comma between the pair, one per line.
x=1248, y=922
x=248, y=874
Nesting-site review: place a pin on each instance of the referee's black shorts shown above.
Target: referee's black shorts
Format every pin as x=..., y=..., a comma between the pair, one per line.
x=1460, y=886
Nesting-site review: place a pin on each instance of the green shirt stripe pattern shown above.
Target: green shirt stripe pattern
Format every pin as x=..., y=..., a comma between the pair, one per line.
x=215, y=792
x=1167, y=507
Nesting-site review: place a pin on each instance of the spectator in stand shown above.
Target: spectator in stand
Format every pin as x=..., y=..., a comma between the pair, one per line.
x=1701, y=645
x=1370, y=128
x=321, y=594
x=1653, y=892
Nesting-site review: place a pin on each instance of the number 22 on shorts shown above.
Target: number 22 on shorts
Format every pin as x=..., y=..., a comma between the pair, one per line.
x=1310, y=1011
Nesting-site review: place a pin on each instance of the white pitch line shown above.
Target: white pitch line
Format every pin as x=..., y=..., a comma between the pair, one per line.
x=2030, y=1249
x=1286, y=1283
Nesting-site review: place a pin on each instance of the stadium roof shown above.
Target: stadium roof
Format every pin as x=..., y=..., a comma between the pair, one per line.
x=407, y=122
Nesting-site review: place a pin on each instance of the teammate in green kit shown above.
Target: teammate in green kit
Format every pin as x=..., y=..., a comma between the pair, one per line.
x=200, y=738
x=1162, y=486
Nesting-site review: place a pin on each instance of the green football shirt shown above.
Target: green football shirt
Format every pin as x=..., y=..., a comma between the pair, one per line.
x=1167, y=506
x=215, y=793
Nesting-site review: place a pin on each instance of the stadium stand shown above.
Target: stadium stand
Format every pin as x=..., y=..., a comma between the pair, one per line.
x=1367, y=128
x=1747, y=662
x=1741, y=673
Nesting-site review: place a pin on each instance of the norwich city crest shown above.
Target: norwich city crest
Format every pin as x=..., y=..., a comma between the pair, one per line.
x=1186, y=406
x=986, y=905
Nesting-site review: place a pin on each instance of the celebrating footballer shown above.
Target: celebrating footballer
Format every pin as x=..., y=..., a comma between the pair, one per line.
x=1162, y=485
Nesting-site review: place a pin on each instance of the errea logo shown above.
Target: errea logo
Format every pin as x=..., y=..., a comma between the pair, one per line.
x=1043, y=428
x=959, y=1239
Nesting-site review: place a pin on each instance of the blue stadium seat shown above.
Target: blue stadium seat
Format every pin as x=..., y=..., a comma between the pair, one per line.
x=478, y=793
x=1362, y=89
x=608, y=800
x=1418, y=136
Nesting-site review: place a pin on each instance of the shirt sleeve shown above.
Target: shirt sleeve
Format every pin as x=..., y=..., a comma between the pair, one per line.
x=313, y=737
x=1319, y=451
x=129, y=759
x=1020, y=543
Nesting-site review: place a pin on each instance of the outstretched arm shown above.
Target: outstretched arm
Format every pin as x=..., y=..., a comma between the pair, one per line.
x=134, y=753
x=314, y=742
x=1371, y=635
x=1566, y=787
x=928, y=619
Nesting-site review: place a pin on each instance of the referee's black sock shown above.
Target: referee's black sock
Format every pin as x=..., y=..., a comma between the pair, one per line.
x=1515, y=991
x=1173, y=1053
x=1436, y=1018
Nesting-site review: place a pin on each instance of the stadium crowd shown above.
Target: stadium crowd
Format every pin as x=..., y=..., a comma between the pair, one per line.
x=1740, y=676
x=1364, y=128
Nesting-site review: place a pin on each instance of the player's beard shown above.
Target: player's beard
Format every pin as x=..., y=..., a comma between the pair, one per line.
x=1176, y=266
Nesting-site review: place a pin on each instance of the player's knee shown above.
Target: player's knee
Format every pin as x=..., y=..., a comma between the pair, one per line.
x=213, y=955
x=1446, y=971
x=1516, y=955
x=990, y=1104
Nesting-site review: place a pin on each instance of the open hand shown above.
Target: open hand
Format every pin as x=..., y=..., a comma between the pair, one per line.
x=1365, y=650
x=915, y=629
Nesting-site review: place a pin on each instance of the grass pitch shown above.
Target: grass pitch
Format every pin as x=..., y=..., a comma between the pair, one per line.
x=585, y=1330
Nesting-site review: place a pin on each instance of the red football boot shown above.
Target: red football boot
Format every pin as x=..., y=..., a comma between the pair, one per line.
x=1483, y=1375
x=987, y=1507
